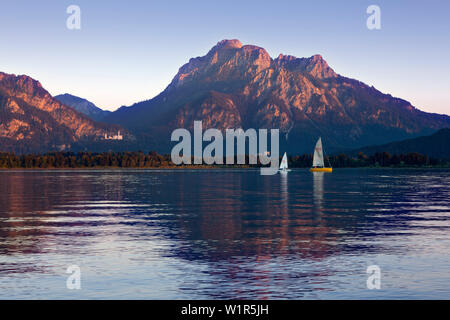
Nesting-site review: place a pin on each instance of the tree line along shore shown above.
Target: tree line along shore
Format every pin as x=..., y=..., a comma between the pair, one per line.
x=55, y=160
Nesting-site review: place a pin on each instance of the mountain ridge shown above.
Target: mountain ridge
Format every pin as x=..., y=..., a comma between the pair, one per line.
x=436, y=145
x=236, y=85
x=232, y=86
x=82, y=105
x=31, y=120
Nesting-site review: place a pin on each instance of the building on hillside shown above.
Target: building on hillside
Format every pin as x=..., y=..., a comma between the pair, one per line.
x=118, y=136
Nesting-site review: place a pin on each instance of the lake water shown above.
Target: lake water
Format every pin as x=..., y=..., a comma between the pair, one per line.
x=213, y=234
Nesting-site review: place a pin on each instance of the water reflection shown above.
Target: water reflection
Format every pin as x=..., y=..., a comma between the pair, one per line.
x=318, y=190
x=227, y=234
x=284, y=187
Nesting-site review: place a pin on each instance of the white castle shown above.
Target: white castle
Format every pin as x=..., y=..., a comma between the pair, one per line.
x=118, y=136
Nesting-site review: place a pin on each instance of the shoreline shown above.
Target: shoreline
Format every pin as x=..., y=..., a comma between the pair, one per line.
x=199, y=167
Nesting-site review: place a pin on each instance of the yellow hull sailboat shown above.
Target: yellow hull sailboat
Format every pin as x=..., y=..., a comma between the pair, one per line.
x=321, y=169
x=318, y=163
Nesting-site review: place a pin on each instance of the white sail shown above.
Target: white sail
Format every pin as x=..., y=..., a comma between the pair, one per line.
x=284, y=163
x=318, y=154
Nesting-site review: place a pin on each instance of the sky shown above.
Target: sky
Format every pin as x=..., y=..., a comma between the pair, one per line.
x=129, y=51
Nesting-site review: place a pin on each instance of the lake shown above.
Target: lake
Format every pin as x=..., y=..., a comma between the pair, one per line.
x=221, y=234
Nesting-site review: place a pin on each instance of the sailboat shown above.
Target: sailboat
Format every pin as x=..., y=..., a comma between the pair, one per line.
x=318, y=164
x=284, y=164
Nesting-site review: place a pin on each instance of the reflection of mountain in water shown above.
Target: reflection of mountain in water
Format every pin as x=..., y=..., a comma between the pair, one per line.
x=269, y=234
x=38, y=207
x=216, y=215
x=234, y=215
x=250, y=215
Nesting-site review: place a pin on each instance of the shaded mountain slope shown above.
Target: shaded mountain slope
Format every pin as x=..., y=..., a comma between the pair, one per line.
x=237, y=85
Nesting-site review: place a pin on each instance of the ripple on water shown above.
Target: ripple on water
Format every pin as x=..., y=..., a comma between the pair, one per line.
x=198, y=234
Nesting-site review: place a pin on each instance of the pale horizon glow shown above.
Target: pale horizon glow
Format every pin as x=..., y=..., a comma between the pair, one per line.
x=126, y=53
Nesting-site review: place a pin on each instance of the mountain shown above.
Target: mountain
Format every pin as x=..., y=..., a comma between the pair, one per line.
x=31, y=120
x=436, y=145
x=237, y=85
x=82, y=105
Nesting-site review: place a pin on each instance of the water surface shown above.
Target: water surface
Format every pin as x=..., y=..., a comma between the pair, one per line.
x=210, y=234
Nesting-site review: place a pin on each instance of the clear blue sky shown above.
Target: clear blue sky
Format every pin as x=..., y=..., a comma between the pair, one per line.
x=128, y=51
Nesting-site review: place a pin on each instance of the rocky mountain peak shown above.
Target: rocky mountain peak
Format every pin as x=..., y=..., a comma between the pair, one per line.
x=82, y=105
x=31, y=120
x=237, y=85
x=22, y=84
x=227, y=44
x=229, y=60
x=315, y=65
x=319, y=68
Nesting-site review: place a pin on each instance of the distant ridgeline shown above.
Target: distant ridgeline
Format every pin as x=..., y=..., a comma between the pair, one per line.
x=155, y=160
x=436, y=145
x=232, y=86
